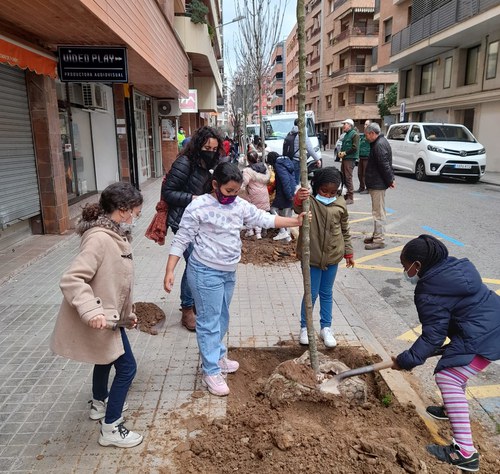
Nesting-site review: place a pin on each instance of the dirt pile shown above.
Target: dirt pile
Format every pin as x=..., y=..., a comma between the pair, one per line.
x=150, y=317
x=267, y=251
x=333, y=436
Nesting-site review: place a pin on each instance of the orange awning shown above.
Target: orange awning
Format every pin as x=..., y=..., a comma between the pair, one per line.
x=16, y=54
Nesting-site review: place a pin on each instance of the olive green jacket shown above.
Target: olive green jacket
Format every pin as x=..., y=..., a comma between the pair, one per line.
x=350, y=144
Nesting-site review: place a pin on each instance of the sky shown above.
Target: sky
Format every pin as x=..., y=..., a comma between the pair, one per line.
x=230, y=32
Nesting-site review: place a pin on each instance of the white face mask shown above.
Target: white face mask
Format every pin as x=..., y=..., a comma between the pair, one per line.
x=128, y=227
x=412, y=279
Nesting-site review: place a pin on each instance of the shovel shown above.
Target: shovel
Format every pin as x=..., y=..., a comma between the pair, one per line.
x=332, y=385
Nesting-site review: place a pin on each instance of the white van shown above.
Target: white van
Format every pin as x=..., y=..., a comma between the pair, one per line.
x=277, y=126
x=436, y=149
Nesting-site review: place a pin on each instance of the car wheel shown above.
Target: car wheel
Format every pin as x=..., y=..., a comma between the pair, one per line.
x=420, y=173
x=472, y=179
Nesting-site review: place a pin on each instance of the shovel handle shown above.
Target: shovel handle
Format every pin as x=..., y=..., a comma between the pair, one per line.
x=385, y=364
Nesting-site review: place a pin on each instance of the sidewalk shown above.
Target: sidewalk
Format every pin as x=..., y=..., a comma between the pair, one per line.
x=44, y=424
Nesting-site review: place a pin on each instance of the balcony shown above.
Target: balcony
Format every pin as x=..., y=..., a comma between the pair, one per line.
x=357, y=31
x=447, y=16
x=349, y=70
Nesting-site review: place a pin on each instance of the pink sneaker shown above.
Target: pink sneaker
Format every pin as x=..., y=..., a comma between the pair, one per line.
x=228, y=366
x=216, y=384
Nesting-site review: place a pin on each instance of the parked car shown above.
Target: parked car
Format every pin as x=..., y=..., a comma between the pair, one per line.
x=436, y=149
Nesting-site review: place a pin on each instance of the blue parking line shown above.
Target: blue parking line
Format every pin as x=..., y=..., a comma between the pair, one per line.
x=389, y=210
x=436, y=185
x=443, y=236
x=479, y=195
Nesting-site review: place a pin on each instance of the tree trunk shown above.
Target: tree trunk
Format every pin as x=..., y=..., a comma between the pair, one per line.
x=306, y=274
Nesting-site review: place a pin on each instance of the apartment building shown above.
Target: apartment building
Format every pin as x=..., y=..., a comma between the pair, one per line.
x=340, y=38
x=291, y=71
x=446, y=52
x=277, y=87
x=67, y=132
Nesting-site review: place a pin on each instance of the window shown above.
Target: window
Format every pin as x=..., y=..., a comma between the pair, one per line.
x=330, y=38
x=331, y=5
x=329, y=70
x=428, y=78
x=407, y=83
x=387, y=30
x=448, y=62
x=398, y=132
x=415, y=134
x=341, y=99
x=328, y=101
x=471, y=65
x=492, y=60
x=359, y=97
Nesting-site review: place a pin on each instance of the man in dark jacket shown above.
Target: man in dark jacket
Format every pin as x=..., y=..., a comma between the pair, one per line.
x=364, y=151
x=349, y=154
x=379, y=176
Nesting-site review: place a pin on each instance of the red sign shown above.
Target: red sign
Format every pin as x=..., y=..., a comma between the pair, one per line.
x=190, y=105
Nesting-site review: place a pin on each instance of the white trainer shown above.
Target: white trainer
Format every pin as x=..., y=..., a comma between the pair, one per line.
x=282, y=234
x=216, y=384
x=249, y=233
x=328, y=338
x=228, y=366
x=303, y=338
x=98, y=408
x=115, y=434
x=258, y=236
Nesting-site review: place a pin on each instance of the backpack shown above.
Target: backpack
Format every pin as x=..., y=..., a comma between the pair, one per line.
x=289, y=145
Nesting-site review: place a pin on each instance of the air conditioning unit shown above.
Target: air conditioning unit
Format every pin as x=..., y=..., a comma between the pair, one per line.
x=169, y=108
x=75, y=93
x=94, y=96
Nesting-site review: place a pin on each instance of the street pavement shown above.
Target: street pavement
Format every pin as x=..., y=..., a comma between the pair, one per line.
x=44, y=424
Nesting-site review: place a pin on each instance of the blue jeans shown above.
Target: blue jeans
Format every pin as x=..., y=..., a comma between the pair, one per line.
x=125, y=368
x=296, y=170
x=321, y=283
x=212, y=291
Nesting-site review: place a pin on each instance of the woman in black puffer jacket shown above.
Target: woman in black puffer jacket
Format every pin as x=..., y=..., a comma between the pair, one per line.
x=188, y=178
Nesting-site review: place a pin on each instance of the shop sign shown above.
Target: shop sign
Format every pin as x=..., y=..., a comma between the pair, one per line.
x=189, y=105
x=92, y=63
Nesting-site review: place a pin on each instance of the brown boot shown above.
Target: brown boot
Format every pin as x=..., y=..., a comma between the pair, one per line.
x=188, y=319
x=368, y=240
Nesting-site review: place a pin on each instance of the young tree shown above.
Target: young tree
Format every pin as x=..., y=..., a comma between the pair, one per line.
x=306, y=272
x=389, y=100
x=259, y=32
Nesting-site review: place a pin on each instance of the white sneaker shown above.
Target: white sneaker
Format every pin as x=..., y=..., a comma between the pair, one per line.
x=216, y=384
x=228, y=366
x=282, y=234
x=328, y=338
x=98, y=408
x=259, y=236
x=115, y=434
x=303, y=338
x=249, y=233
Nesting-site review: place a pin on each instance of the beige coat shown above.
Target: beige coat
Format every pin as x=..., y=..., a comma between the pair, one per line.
x=99, y=281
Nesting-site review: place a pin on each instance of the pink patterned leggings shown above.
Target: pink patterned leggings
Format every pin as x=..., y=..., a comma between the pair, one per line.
x=452, y=382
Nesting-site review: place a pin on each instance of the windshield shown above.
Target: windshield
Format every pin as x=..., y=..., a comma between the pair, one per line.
x=278, y=128
x=448, y=133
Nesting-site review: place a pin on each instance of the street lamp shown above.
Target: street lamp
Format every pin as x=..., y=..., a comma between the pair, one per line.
x=234, y=20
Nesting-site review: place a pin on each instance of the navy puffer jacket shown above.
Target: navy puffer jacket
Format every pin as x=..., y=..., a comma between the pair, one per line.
x=285, y=183
x=184, y=180
x=452, y=301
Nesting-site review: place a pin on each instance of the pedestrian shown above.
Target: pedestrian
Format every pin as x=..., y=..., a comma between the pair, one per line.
x=95, y=301
x=325, y=140
x=291, y=149
x=330, y=241
x=364, y=151
x=452, y=302
x=379, y=176
x=213, y=222
x=226, y=145
x=256, y=177
x=181, y=135
x=189, y=178
x=349, y=155
x=282, y=203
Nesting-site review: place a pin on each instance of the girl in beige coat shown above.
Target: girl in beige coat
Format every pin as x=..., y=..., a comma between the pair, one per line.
x=97, y=306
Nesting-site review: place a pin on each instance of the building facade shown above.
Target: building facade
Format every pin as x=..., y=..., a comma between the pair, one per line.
x=60, y=141
x=277, y=89
x=446, y=53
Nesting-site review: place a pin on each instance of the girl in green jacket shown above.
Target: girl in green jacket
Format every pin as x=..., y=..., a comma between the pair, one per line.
x=330, y=241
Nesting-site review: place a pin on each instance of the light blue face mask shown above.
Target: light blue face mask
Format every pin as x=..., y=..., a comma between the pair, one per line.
x=325, y=200
x=412, y=279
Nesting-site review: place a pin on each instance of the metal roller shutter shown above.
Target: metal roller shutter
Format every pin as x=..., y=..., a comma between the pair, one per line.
x=19, y=196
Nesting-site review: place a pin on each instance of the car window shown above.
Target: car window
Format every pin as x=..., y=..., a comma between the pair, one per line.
x=449, y=133
x=398, y=132
x=415, y=134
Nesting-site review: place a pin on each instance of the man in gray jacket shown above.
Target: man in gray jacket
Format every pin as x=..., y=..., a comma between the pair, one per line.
x=296, y=157
x=379, y=176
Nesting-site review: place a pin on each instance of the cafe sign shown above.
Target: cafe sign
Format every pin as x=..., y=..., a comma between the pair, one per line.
x=92, y=64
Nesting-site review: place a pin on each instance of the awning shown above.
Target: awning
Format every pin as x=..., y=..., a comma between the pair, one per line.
x=356, y=10
x=17, y=54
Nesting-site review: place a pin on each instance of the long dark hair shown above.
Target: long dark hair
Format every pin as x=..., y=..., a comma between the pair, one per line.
x=426, y=249
x=193, y=148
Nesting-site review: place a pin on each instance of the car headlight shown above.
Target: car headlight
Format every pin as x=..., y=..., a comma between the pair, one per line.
x=482, y=151
x=437, y=149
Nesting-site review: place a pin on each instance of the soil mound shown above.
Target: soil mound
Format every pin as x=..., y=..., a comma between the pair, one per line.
x=150, y=317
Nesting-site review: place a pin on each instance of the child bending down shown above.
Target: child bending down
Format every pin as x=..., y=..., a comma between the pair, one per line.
x=330, y=241
x=212, y=222
x=452, y=301
x=255, y=179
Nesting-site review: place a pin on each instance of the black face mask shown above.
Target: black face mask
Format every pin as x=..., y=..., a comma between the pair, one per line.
x=208, y=156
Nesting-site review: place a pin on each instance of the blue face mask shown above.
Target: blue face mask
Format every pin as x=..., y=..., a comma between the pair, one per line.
x=412, y=279
x=325, y=200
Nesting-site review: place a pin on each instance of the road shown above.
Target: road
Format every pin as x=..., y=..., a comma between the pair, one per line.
x=466, y=217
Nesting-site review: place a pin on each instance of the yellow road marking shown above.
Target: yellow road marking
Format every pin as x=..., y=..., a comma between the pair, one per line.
x=497, y=292
x=352, y=221
x=492, y=281
x=382, y=253
x=483, y=391
x=379, y=268
x=411, y=335
x=402, y=236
